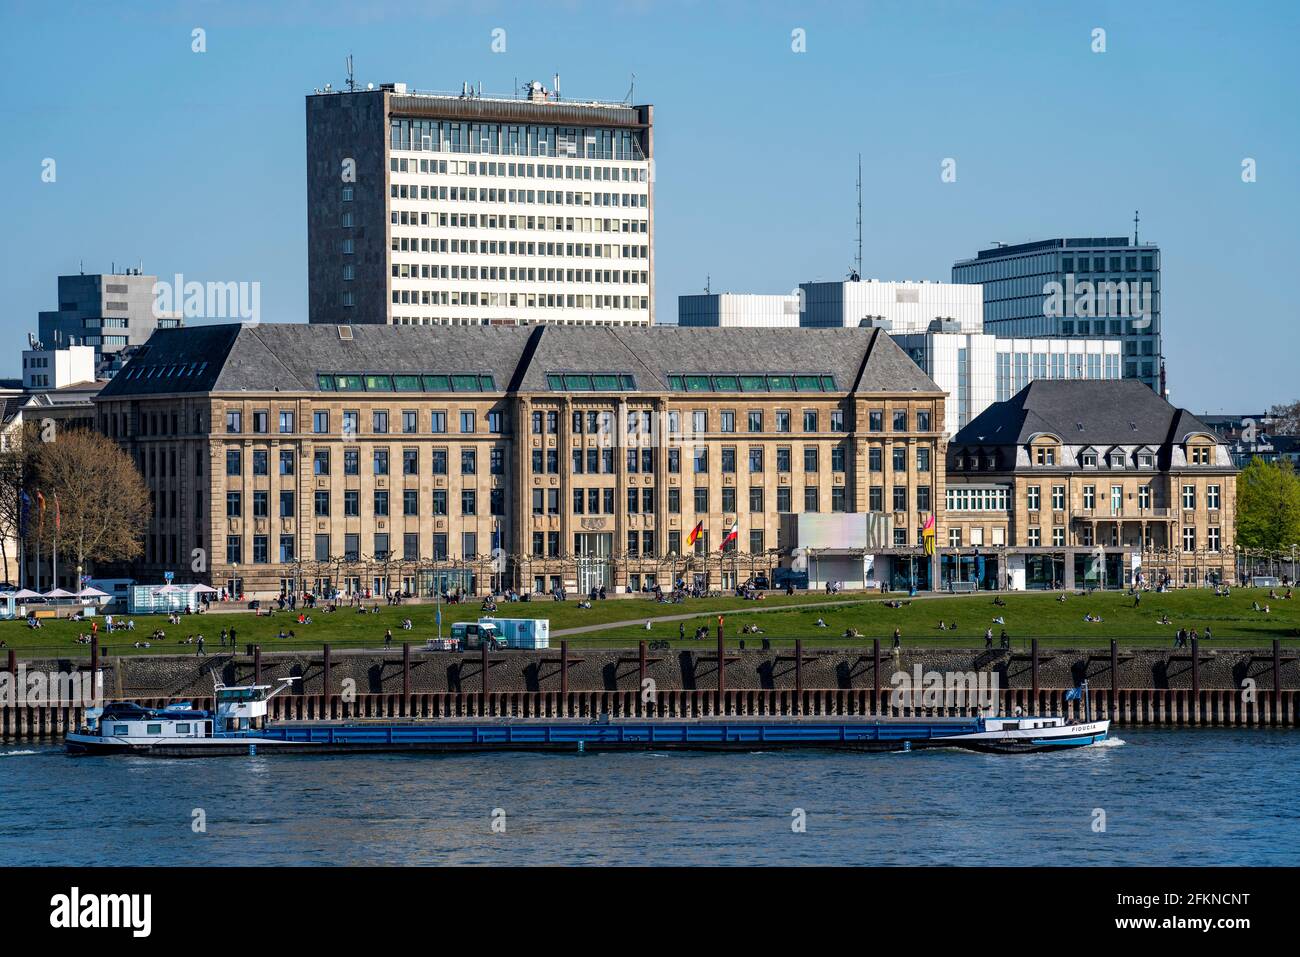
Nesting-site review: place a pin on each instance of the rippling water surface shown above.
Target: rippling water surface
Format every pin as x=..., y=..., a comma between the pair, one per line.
x=1169, y=797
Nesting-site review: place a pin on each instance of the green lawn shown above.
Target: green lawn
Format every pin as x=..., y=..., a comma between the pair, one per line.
x=347, y=629
x=781, y=619
x=1232, y=620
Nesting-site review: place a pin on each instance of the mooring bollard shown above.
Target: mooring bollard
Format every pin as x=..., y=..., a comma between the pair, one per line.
x=406, y=677
x=798, y=676
x=1033, y=670
x=1196, y=681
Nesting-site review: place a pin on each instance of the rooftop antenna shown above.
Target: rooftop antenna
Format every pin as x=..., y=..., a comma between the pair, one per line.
x=857, y=271
x=631, y=91
x=352, y=78
x=708, y=284
x=556, y=85
x=1135, y=227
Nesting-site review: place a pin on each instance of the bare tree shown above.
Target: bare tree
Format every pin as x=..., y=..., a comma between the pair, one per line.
x=1286, y=418
x=103, y=504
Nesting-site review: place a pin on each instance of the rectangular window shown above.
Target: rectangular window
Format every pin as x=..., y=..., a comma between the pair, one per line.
x=321, y=505
x=286, y=422
x=1033, y=497
x=783, y=499
x=320, y=422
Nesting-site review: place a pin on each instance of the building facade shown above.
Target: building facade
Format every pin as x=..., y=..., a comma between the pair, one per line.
x=46, y=369
x=748, y=310
x=109, y=311
x=978, y=369
x=1095, y=286
x=896, y=307
x=432, y=209
x=1087, y=483
x=370, y=457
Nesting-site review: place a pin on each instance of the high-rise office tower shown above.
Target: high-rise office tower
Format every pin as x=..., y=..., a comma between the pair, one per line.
x=1091, y=287
x=466, y=209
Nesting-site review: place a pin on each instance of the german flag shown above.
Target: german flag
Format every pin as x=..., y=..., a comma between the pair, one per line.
x=696, y=532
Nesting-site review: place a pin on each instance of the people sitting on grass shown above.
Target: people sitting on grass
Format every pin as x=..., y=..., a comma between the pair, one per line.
x=585, y=603
x=820, y=623
x=751, y=630
x=140, y=644
x=1163, y=620
x=999, y=620
x=1095, y=619
x=1061, y=598
x=852, y=633
x=1000, y=602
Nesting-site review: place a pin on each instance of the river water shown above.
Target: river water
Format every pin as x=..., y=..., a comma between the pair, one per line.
x=1146, y=797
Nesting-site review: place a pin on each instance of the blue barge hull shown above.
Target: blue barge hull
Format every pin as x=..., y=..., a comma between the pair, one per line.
x=621, y=735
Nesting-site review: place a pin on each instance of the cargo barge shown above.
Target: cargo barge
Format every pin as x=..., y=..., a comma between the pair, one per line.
x=238, y=726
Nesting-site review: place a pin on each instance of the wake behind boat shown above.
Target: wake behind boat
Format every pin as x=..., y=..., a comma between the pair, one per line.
x=239, y=725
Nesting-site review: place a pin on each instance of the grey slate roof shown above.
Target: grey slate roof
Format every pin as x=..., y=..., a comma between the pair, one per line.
x=1118, y=412
x=288, y=356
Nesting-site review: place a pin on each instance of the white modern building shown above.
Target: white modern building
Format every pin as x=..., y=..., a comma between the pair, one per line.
x=978, y=369
x=46, y=369
x=738, y=309
x=896, y=307
x=464, y=209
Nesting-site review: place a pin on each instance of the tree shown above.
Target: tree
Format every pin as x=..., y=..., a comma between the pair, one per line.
x=103, y=503
x=1285, y=419
x=1268, y=505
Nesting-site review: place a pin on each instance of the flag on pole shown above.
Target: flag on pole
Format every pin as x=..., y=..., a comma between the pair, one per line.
x=696, y=532
x=927, y=534
x=40, y=511
x=731, y=535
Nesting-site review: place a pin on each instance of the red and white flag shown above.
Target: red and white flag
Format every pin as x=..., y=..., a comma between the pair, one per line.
x=731, y=533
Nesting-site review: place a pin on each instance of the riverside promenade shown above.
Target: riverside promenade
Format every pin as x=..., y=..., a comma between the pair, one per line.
x=1193, y=687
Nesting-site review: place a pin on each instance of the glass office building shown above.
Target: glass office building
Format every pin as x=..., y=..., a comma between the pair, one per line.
x=1084, y=287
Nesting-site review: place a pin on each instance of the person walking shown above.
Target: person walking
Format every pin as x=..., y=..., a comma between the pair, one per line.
x=681, y=631
x=988, y=638
x=388, y=637
x=200, y=651
x=898, y=639
x=232, y=639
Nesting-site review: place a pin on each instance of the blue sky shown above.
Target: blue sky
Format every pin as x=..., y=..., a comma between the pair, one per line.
x=194, y=163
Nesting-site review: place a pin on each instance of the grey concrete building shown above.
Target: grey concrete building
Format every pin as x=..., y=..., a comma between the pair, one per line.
x=109, y=311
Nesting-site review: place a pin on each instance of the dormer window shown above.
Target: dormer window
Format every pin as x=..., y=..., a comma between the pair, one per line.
x=1116, y=460
x=1146, y=460
x=1044, y=456
x=1088, y=460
